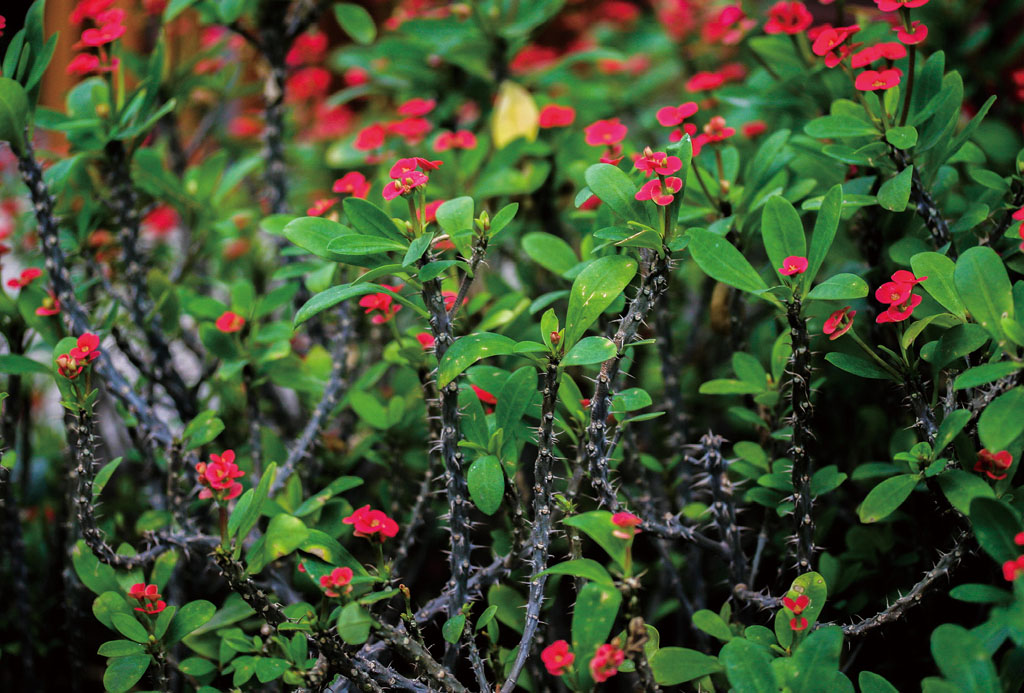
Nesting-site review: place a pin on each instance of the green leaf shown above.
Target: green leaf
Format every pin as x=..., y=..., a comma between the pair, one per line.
x=617, y=191
x=597, y=524
x=712, y=624
x=674, y=665
x=582, y=568
x=870, y=682
x=317, y=500
x=486, y=617
x=962, y=487
x=592, y=620
x=356, y=244
x=950, y=428
x=354, y=624
x=550, y=252
x=963, y=660
x=748, y=667
x=595, y=288
x=129, y=627
x=825, y=227
x=1003, y=420
x=336, y=294
x=841, y=287
x=995, y=525
x=503, y=218
x=514, y=398
x=417, y=248
x=368, y=218
x=984, y=288
x=467, y=350
x=176, y=7
x=14, y=110
x=284, y=534
x=886, y=497
x=782, y=231
x=895, y=192
x=590, y=350
x=816, y=661
x=119, y=648
x=203, y=429
x=270, y=668
x=188, y=618
x=979, y=594
x=486, y=482
x=124, y=672
x=721, y=261
x=901, y=137
x=103, y=476
x=452, y=629
x=728, y=386
x=832, y=126
x=985, y=373
x=98, y=577
x=356, y=22
x=315, y=235
x=857, y=366
x=16, y=364
x=243, y=519
x=109, y=603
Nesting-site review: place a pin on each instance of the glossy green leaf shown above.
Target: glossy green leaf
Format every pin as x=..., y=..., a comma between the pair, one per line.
x=961, y=487
x=984, y=374
x=129, y=627
x=1002, y=421
x=895, y=192
x=857, y=365
x=816, y=662
x=244, y=518
x=597, y=524
x=315, y=234
x=984, y=287
x=456, y=215
x=188, y=618
x=203, y=429
x=616, y=190
x=367, y=218
x=582, y=568
x=452, y=629
x=595, y=288
x=995, y=525
x=16, y=364
x=467, y=350
x=486, y=482
x=285, y=534
x=901, y=137
x=782, y=231
x=317, y=500
x=356, y=22
x=721, y=261
x=950, y=428
x=825, y=227
x=712, y=624
x=123, y=673
x=14, y=112
x=885, y=498
x=355, y=244
x=593, y=617
x=336, y=294
x=590, y=350
x=119, y=648
x=841, y=287
x=550, y=252
x=674, y=665
x=838, y=126
x=354, y=624
x=748, y=667
x=963, y=660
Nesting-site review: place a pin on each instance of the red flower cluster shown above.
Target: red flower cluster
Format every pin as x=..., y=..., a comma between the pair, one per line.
x=797, y=606
x=353, y=183
x=557, y=657
x=839, y=323
x=606, y=662
x=626, y=525
x=673, y=117
x=897, y=293
x=109, y=26
x=657, y=162
x=230, y=322
x=788, y=18
x=727, y=27
x=555, y=116
x=460, y=139
x=218, y=477
x=308, y=48
x=794, y=264
x=149, y=598
x=994, y=465
x=382, y=302
x=1019, y=214
x=1015, y=569
x=27, y=277
x=71, y=364
x=889, y=51
x=607, y=133
x=658, y=193
x=875, y=80
x=368, y=522
x=715, y=131
x=831, y=43
x=407, y=177
x=897, y=5
x=338, y=578
x=918, y=33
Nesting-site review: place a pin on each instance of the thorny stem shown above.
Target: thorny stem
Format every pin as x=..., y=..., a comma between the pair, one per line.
x=540, y=534
x=800, y=402
x=479, y=250
x=414, y=653
x=925, y=205
x=723, y=505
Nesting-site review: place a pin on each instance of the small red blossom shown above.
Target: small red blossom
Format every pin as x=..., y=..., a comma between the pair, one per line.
x=307, y=49
x=829, y=42
x=788, y=18
x=27, y=277
x=1013, y=569
x=606, y=662
x=161, y=221
x=370, y=137
x=654, y=191
x=797, y=606
x=874, y=80
x=626, y=525
x=245, y=127
x=889, y=51
x=353, y=183
x=839, y=323
x=753, y=128
x=705, y=81
x=417, y=107
x=430, y=213
x=425, y=339
x=557, y=657
x=3, y=24
x=355, y=76
x=605, y=132
x=917, y=34
x=657, y=162
x=461, y=139
x=50, y=306
x=368, y=522
x=1019, y=539
x=89, y=9
x=105, y=33
x=308, y=84
x=716, y=130
x=230, y=322
x=484, y=396
x=87, y=63
x=994, y=465
x=612, y=155
x=87, y=348
x=671, y=116
x=794, y=264
x=897, y=293
x=149, y=597
x=218, y=477
x=412, y=130
x=555, y=116
x=321, y=207
x=728, y=26
x=338, y=578
x=896, y=5
x=382, y=302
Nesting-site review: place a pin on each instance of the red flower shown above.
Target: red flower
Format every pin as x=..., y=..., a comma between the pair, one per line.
x=339, y=577
x=403, y=167
x=413, y=130
x=606, y=662
x=3, y=24
x=89, y=9
x=994, y=465
x=918, y=33
x=896, y=5
x=417, y=107
x=87, y=63
x=839, y=323
x=426, y=340
x=1019, y=539
x=353, y=183
x=627, y=525
x=1013, y=569
x=149, y=597
x=87, y=348
x=218, y=477
x=230, y=322
x=484, y=396
x=705, y=81
x=321, y=207
x=405, y=186
x=533, y=57
x=612, y=155
x=657, y=162
x=382, y=302
x=897, y=293
x=889, y=51
x=605, y=132
x=370, y=137
x=788, y=18
x=449, y=299
x=368, y=522
x=557, y=657
x=308, y=48
x=797, y=606
x=794, y=264
x=161, y=221
x=307, y=84
x=330, y=122
x=27, y=277
x=245, y=127
x=430, y=214
x=872, y=80
x=716, y=131
x=109, y=30
x=50, y=306
x=592, y=202
x=671, y=116
x=728, y=26
x=354, y=76
x=555, y=116
x=653, y=190
x=753, y=128
x=462, y=139
x=69, y=367
x=827, y=39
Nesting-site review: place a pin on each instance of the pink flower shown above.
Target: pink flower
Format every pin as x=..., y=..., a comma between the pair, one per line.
x=308, y=84
x=605, y=132
x=353, y=183
x=657, y=162
x=382, y=302
x=339, y=577
x=671, y=116
x=626, y=525
x=368, y=522
x=230, y=322
x=753, y=128
x=218, y=477
x=462, y=139
x=917, y=34
x=663, y=196
x=370, y=137
x=321, y=207
x=557, y=657
x=484, y=396
x=27, y=277
x=705, y=81
x=872, y=80
x=50, y=306
x=896, y=5
x=87, y=348
x=412, y=130
x=307, y=49
x=425, y=339
x=794, y=264
x=1013, y=569
x=149, y=597
x=417, y=107
x=716, y=130
x=606, y=662
x=788, y=18
x=839, y=323
x=555, y=116
x=161, y=221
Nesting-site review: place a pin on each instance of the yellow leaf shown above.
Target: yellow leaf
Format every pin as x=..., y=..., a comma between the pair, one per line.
x=515, y=115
